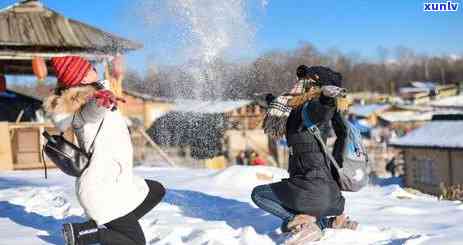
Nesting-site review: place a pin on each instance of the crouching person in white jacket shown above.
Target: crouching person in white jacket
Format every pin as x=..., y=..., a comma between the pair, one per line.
x=109, y=192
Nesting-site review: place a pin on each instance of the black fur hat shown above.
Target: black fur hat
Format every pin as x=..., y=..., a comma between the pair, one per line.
x=324, y=75
x=301, y=71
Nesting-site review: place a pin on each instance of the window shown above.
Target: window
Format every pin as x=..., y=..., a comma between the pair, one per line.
x=426, y=172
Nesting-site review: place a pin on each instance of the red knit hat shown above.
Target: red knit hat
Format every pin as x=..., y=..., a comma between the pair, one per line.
x=70, y=70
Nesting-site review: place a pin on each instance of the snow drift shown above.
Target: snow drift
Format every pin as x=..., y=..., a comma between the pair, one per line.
x=214, y=207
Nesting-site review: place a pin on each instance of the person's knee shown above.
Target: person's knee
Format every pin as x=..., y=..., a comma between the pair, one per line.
x=256, y=193
x=162, y=190
x=157, y=190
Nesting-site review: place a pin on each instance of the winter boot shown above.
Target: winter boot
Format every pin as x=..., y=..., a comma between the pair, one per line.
x=80, y=233
x=343, y=222
x=284, y=227
x=300, y=220
x=306, y=233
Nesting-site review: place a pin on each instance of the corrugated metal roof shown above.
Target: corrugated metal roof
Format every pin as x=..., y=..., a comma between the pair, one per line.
x=435, y=134
x=205, y=107
x=31, y=24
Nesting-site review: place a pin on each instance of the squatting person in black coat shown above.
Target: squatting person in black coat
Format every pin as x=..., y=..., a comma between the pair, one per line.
x=311, y=193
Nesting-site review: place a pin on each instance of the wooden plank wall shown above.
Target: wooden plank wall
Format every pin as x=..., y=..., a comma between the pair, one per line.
x=6, y=160
x=22, y=144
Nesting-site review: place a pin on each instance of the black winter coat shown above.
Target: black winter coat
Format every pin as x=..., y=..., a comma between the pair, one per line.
x=311, y=188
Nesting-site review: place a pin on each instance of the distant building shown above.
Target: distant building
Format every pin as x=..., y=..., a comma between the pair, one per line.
x=444, y=91
x=404, y=120
x=424, y=92
x=369, y=98
x=451, y=103
x=144, y=108
x=207, y=129
x=433, y=154
x=369, y=113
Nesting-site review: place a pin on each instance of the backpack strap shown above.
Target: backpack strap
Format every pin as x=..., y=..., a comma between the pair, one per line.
x=44, y=163
x=91, y=146
x=313, y=129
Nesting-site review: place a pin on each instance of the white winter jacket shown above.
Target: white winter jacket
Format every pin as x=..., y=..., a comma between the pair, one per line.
x=107, y=189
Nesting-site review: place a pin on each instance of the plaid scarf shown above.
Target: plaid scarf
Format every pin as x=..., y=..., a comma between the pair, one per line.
x=279, y=110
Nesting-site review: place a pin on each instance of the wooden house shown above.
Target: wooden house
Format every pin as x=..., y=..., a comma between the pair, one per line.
x=369, y=113
x=433, y=155
x=28, y=29
x=369, y=98
x=449, y=103
x=144, y=107
x=448, y=90
x=403, y=119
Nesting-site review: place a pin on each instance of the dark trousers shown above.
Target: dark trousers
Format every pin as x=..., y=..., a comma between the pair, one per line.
x=126, y=230
x=264, y=197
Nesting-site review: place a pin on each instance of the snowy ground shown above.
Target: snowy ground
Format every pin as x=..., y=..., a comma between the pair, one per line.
x=209, y=207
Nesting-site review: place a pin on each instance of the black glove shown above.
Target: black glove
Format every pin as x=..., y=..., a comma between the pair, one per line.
x=264, y=99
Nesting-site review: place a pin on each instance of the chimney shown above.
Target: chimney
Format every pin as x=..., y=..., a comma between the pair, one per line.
x=2, y=83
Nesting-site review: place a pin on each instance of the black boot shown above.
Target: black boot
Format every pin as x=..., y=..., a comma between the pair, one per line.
x=80, y=233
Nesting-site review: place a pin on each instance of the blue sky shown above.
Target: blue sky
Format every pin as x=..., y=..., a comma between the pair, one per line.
x=355, y=26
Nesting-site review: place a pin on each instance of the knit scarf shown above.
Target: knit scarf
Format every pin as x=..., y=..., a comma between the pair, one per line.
x=280, y=108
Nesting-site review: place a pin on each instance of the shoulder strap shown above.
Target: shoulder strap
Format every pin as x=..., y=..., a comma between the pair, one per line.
x=315, y=131
x=94, y=139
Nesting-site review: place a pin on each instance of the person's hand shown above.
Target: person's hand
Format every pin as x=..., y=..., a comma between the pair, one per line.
x=264, y=99
x=333, y=91
x=105, y=98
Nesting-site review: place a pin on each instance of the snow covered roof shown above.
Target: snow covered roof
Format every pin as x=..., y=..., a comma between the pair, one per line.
x=424, y=84
x=200, y=106
x=450, y=102
x=406, y=116
x=368, y=110
x=148, y=97
x=435, y=134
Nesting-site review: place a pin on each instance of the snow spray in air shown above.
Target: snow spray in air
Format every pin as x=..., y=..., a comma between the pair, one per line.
x=201, y=34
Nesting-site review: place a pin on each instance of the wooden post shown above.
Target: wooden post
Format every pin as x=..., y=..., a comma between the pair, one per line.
x=157, y=148
x=6, y=159
x=116, y=83
x=146, y=114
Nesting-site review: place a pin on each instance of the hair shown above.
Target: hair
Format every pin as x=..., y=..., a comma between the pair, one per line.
x=60, y=90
